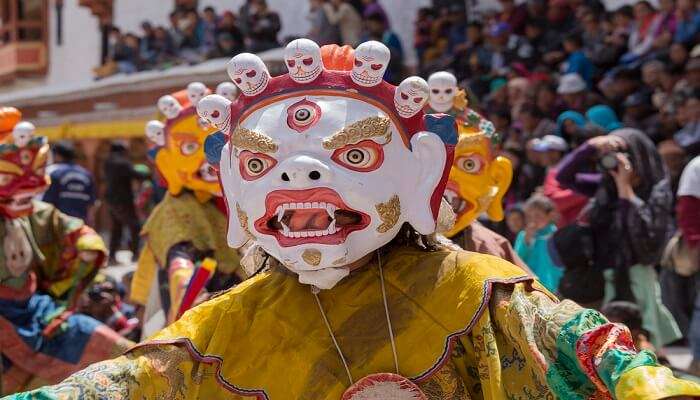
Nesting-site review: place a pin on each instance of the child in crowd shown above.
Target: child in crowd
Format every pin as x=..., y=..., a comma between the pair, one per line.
x=531, y=243
x=515, y=221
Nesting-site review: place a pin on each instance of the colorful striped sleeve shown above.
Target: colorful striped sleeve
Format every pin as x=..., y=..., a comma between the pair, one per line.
x=587, y=357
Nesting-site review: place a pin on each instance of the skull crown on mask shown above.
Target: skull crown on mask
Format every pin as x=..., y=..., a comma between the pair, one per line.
x=319, y=179
x=443, y=88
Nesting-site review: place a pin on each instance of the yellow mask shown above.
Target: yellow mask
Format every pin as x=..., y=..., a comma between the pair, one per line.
x=478, y=179
x=181, y=160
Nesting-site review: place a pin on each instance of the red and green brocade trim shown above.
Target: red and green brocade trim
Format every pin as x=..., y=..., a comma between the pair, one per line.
x=594, y=356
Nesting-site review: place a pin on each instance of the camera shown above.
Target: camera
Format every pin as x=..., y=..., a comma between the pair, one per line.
x=608, y=161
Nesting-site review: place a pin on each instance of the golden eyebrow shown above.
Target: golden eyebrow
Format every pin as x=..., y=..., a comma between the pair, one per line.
x=470, y=138
x=6, y=166
x=358, y=131
x=41, y=157
x=246, y=139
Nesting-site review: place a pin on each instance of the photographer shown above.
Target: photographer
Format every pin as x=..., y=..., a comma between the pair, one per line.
x=630, y=216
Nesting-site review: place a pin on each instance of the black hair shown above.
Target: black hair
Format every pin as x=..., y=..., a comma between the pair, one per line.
x=209, y=9
x=574, y=38
x=624, y=311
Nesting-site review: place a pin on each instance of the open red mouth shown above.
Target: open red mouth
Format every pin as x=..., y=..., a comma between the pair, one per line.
x=460, y=205
x=19, y=203
x=309, y=216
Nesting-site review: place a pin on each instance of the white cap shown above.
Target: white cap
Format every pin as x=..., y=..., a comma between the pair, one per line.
x=550, y=142
x=571, y=83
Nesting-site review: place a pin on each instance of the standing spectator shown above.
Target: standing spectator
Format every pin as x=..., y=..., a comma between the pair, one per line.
x=72, y=188
x=119, y=175
x=347, y=19
x=372, y=7
x=378, y=29
x=577, y=62
x=264, y=26
x=322, y=30
x=422, y=33
x=567, y=202
x=531, y=243
x=630, y=218
x=688, y=210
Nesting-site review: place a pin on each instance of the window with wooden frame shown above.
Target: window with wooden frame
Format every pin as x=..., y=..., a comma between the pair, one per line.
x=23, y=38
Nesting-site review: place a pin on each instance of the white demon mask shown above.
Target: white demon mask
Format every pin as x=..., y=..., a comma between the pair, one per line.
x=249, y=73
x=227, y=90
x=411, y=96
x=155, y=132
x=195, y=92
x=322, y=197
x=443, y=88
x=371, y=61
x=216, y=110
x=169, y=106
x=23, y=133
x=303, y=59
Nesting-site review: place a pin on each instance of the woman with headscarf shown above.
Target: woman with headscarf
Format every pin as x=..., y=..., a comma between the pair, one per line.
x=569, y=123
x=630, y=218
x=604, y=117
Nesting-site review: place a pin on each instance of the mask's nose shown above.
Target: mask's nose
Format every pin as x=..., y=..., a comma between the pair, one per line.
x=303, y=171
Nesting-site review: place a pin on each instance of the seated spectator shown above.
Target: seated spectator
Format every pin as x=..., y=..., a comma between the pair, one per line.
x=531, y=243
x=577, y=62
x=625, y=312
x=575, y=94
x=209, y=26
x=687, y=22
x=147, y=51
x=378, y=29
x=534, y=124
x=163, y=47
x=126, y=54
x=174, y=31
x=229, y=38
x=421, y=35
x=639, y=114
x=646, y=29
x=192, y=29
x=688, y=115
x=515, y=15
x=569, y=124
x=603, y=117
x=264, y=26
x=547, y=101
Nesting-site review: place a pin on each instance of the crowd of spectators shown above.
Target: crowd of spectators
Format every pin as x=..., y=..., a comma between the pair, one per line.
x=599, y=111
x=192, y=37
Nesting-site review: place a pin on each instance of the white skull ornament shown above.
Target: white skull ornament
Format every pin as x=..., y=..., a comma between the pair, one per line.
x=169, y=106
x=216, y=110
x=227, y=90
x=155, y=132
x=18, y=251
x=23, y=133
x=443, y=88
x=371, y=61
x=249, y=73
x=303, y=59
x=195, y=92
x=410, y=96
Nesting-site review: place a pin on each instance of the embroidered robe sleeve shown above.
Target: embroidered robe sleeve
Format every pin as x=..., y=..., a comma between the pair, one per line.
x=581, y=354
x=152, y=372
